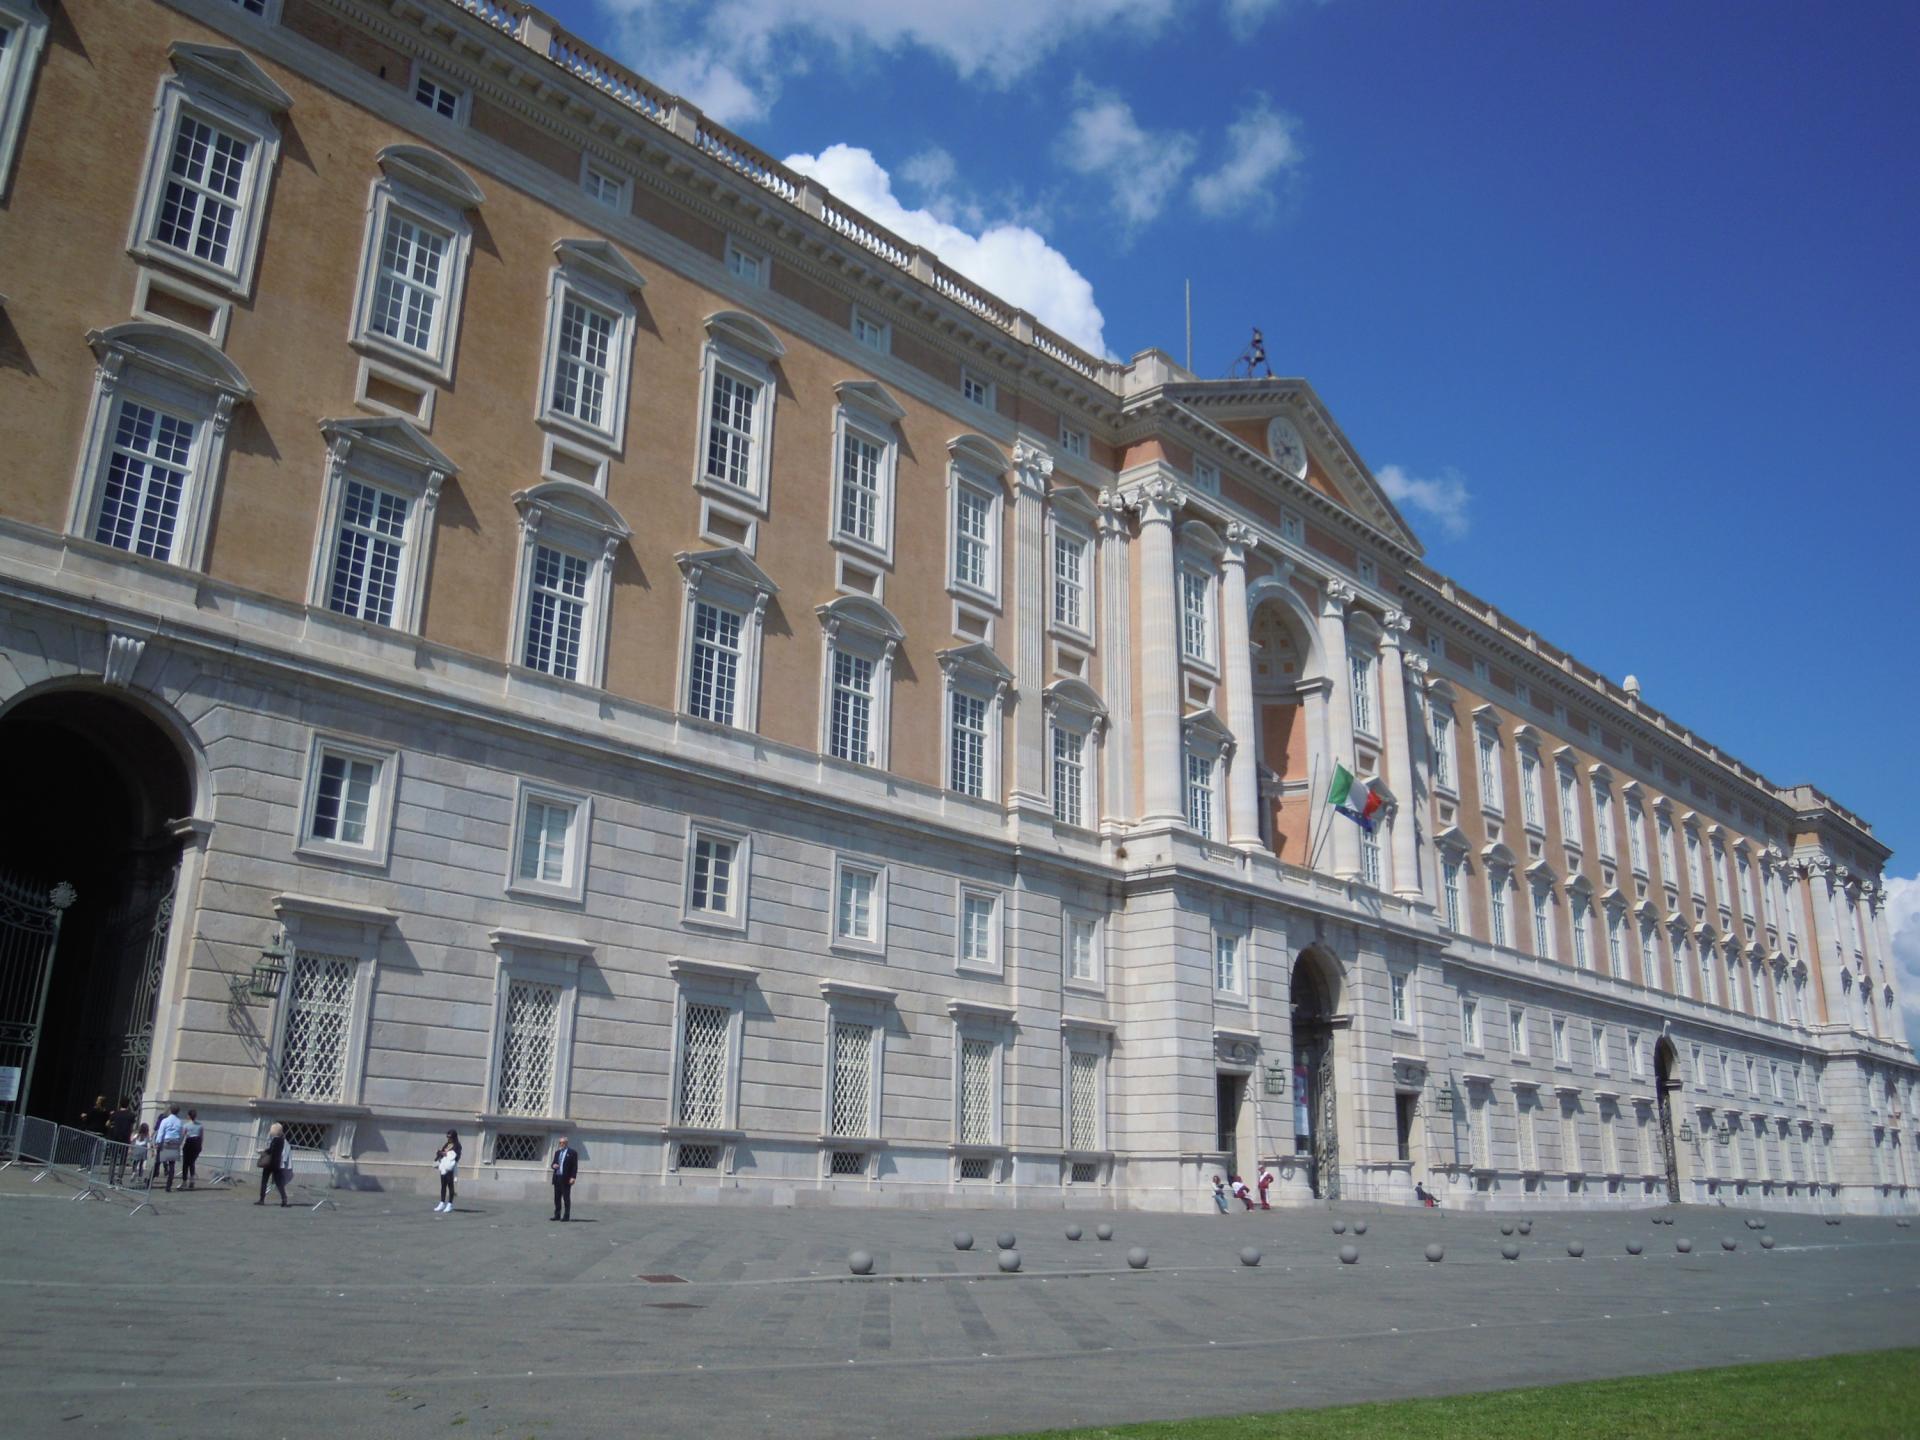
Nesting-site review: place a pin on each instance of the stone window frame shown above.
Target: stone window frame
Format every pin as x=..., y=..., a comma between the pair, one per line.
x=977, y=672
x=862, y=626
x=27, y=27
x=854, y=1004
x=1085, y=1036
x=577, y=520
x=595, y=274
x=725, y=985
x=571, y=889
x=728, y=579
x=349, y=931
x=866, y=411
x=541, y=960
x=995, y=965
x=734, y=918
x=973, y=1020
x=375, y=852
x=873, y=946
x=1073, y=706
x=1070, y=917
x=391, y=455
x=1075, y=521
x=425, y=187
x=976, y=466
x=744, y=346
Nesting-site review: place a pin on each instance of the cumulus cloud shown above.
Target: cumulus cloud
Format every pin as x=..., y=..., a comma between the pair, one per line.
x=1141, y=167
x=731, y=57
x=1442, y=499
x=1903, y=921
x=1261, y=150
x=1243, y=17
x=1013, y=261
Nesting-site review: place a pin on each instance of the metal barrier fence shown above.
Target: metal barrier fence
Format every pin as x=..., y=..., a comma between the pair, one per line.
x=98, y=1166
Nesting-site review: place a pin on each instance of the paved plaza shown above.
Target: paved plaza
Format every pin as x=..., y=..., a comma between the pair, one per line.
x=381, y=1318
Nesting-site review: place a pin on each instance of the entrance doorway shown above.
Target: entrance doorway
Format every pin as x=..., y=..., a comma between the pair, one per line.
x=1230, y=1093
x=94, y=783
x=1665, y=1083
x=1315, y=1000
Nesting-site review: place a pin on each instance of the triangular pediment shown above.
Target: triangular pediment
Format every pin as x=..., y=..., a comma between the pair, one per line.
x=229, y=70
x=728, y=564
x=601, y=260
x=392, y=438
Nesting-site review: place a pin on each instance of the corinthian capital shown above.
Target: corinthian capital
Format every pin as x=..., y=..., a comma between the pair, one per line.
x=1032, y=466
x=1393, y=625
x=1240, y=540
x=1155, y=500
x=1336, y=597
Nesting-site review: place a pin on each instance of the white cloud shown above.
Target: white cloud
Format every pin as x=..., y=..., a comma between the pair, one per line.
x=1012, y=261
x=1903, y=921
x=1243, y=17
x=1260, y=148
x=730, y=57
x=1104, y=140
x=1442, y=499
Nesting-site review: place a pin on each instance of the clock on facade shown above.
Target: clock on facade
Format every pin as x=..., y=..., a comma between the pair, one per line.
x=1286, y=446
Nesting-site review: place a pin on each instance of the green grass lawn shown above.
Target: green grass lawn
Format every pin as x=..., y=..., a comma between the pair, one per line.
x=1844, y=1396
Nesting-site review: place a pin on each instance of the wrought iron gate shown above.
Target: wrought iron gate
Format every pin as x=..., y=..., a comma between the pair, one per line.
x=148, y=921
x=29, y=930
x=1326, y=1132
x=1667, y=1154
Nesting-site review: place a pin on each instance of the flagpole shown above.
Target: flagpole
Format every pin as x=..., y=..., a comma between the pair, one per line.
x=1326, y=829
x=1313, y=779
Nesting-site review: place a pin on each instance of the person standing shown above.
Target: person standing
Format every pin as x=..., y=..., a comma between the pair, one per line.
x=138, y=1149
x=1220, y=1194
x=566, y=1169
x=276, y=1164
x=447, y=1160
x=1265, y=1181
x=1241, y=1193
x=192, y=1137
x=167, y=1140
x=93, y=1119
x=119, y=1137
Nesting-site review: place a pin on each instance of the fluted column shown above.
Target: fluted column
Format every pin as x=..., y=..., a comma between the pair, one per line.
x=1236, y=663
x=1116, y=661
x=1157, y=502
x=1333, y=645
x=1826, y=950
x=1420, y=746
x=1393, y=717
x=1032, y=468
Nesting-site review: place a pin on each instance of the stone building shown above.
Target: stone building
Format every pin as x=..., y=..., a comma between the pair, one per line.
x=518, y=612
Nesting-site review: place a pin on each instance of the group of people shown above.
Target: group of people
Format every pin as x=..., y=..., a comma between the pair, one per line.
x=563, y=1170
x=145, y=1153
x=1240, y=1190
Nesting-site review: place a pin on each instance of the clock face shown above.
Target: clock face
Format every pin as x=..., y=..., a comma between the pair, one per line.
x=1286, y=446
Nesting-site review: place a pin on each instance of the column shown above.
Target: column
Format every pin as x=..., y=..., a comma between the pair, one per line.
x=1339, y=729
x=1032, y=468
x=1157, y=502
x=1116, y=672
x=1236, y=664
x=1393, y=720
x=1824, y=945
x=1420, y=742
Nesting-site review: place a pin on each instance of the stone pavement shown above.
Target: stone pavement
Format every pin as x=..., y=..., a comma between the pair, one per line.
x=381, y=1318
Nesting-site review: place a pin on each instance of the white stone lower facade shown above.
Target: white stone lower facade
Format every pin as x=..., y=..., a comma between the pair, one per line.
x=940, y=1052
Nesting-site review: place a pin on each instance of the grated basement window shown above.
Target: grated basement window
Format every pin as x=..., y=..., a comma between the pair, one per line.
x=522, y=1146
x=976, y=1167
x=848, y=1162
x=698, y=1157
x=308, y=1135
x=1086, y=1172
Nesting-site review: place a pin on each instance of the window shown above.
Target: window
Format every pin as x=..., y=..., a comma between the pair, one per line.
x=967, y=744
x=316, y=1026
x=349, y=802
x=1069, y=776
x=414, y=266
x=1292, y=528
x=1582, y=918
x=1497, y=906
x=1636, y=1053
x=439, y=95
x=1083, y=1104
x=1206, y=477
x=850, y=729
x=727, y=598
x=1200, y=805
x=1637, y=837
x=1530, y=799
x=1469, y=1022
x=1450, y=881
x=979, y=1119
x=713, y=686
x=550, y=844
x=1398, y=981
x=1073, y=442
x=745, y=264
x=701, y=1095
x=210, y=160
x=1616, y=961
x=1227, y=976
x=1560, y=1051
x=383, y=481
x=1603, y=821
x=606, y=187
x=1367, y=570
x=976, y=529
x=860, y=906
x=1745, y=887
x=529, y=1031
x=1599, y=1041
x=1072, y=570
x=861, y=493
x=556, y=612
x=1370, y=866
x=589, y=338
x=732, y=429
x=1542, y=923
x=1649, y=956
x=1360, y=671
x=23, y=35
x=1196, y=615
x=871, y=332
x=1083, y=950
x=736, y=408
x=975, y=389
x=1517, y=1029
x=979, y=930
x=1443, y=751
x=862, y=638
x=716, y=876
x=850, y=1089
x=1488, y=742
x=1569, y=806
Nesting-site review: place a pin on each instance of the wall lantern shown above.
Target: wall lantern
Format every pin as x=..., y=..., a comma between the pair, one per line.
x=1686, y=1132
x=269, y=973
x=1276, y=1077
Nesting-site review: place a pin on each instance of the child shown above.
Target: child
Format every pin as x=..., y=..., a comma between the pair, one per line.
x=137, y=1152
x=1220, y=1194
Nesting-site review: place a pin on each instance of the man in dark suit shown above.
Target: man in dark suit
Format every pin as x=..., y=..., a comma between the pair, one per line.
x=566, y=1169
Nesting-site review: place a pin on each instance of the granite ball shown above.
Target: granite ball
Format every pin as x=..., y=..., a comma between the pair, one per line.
x=1506, y=1227
x=1349, y=1255
x=1249, y=1256
x=1137, y=1258
x=1359, y=1227
x=1006, y=1241
x=1435, y=1254
x=1103, y=1231
x=1576, y=1249
x=1339, y=1227
x=1009, y=1260
x=962, y=1240
x=1073, y=1232
x=1526, y=1227
x=1766, y=1242
x=860, y=1263
x=1634, y=1247
x=1683, y=1245
x=1727, y=1242
x=1510, y=1251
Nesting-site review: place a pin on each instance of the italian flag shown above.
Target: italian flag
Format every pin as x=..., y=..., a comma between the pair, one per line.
x=1353, y=798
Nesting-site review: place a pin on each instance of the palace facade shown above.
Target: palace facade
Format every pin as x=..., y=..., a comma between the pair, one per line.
x=518, y=612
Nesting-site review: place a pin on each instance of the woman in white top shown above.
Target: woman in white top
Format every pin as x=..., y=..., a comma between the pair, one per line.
x=447, y=1160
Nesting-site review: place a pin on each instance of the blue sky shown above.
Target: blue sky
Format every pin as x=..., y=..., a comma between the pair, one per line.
x=1622, y=298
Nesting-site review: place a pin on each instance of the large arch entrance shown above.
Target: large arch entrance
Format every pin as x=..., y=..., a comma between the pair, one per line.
x=1316, y=1124
x=94, y=784
x=1289, y=692
x=1665, y=1060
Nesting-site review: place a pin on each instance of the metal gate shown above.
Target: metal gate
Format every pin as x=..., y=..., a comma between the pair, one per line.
x=1326, y=1133
x=1667, y=1153
x=29, y=930
x=150, y=935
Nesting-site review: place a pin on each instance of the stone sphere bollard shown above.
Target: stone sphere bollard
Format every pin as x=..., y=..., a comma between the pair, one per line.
x=1359, y=1227
x=1654, y=1221
x=962, y=1240
x=1349, y=1254
x=1634, y=1247
x=1435, y=1254
x=1249, y=1257
x=1526, y=1227
x=860, y=1263
x=1339, y=1227
x=1006, y=1241
x=1760, y=1223
x=1683, y=1245
x=1137, y=1258
x=1727, y=1242
x=1506, y=1227
x=1766, y=1242
x=1073, y=1232
x=1103, y=1231
x=1009, y=1260
x=1576, y=1249
x=1510, y=1251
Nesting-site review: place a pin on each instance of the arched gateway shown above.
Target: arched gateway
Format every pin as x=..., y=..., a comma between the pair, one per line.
x=1315, y=995
x=1665, y=1058
x=90, y=841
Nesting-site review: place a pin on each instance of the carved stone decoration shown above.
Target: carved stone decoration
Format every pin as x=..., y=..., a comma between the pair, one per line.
x=1033, y=465
x=123, y=657
x=1338, y=595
